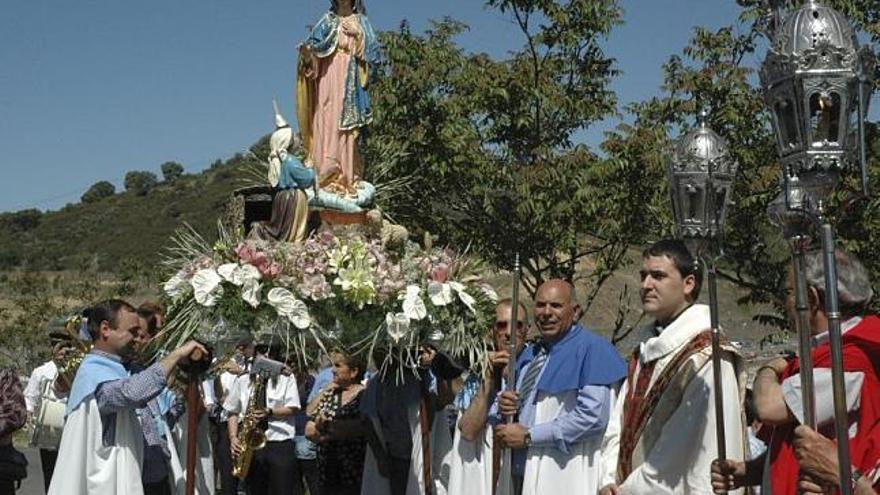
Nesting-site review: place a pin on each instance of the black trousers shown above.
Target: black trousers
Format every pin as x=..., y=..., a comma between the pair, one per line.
x=399, y=474
x=158, y=488
x=47, y=462
x=274, y=470
x=228, y=483
x=308, y=469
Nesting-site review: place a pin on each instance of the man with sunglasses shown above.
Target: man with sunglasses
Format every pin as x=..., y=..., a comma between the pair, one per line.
x=562, y=400
x=471, y=468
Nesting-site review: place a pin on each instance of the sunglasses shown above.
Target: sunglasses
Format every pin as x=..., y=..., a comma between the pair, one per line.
x=501, y=325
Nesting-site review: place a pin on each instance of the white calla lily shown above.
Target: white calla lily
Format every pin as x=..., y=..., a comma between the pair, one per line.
x=227, y=270
x=206, y=286
x=413, y=305
x=440, y=294
x=466, y=298
x=245, y=274
x=176, y=285
x=288, y=306
x=250, y=292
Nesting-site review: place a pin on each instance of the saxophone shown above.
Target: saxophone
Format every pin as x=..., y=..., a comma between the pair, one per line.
x=251, y=435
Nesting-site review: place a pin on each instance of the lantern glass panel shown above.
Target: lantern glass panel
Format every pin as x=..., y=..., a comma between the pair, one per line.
x=825, y=117
x=787, y=121
x=693, y=200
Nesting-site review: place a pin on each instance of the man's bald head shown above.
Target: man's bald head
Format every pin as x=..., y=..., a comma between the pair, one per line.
x=556, y=308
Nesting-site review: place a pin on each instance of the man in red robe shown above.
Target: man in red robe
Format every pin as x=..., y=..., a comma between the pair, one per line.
x=778, y=399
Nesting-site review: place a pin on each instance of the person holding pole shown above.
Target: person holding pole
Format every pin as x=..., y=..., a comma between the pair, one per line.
x=662, y=435
x=779, y=399
x=472, y=468
x=562, y=400
x=102, y=445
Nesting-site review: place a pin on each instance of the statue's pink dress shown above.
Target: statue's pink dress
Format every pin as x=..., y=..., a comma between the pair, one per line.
x=335, y=153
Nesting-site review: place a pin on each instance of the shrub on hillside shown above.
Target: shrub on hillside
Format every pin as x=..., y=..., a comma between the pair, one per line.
x=140, y=182
x=171, y=171
x=98, y=191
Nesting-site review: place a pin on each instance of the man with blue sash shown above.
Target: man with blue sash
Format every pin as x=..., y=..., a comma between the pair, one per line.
x=562, y=400
x=102, y=445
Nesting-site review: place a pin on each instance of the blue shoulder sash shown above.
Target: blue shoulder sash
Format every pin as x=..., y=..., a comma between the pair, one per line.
x=94, y=370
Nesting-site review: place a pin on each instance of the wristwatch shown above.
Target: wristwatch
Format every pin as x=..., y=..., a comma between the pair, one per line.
x=854, y=478
x=528, y=440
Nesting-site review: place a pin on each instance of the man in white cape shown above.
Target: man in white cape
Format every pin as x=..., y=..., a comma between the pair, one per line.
x=102, y=444
x=562, y=400
x=661, y=438
x=473, y=460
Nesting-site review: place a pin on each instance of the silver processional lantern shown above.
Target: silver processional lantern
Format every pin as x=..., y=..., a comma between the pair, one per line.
x=816, y=81
x=701, y=173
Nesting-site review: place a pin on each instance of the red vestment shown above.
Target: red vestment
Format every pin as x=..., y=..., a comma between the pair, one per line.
x=861, y=352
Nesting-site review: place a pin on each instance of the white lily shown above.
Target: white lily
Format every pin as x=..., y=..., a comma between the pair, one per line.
x=440, y=294
x=250, y=292
x=288, y=306
x=206, y=286
x=413, y=305
x=397, y=325
x=245, y=274
x=466, y=298
x=176, y=285
x=226, y=271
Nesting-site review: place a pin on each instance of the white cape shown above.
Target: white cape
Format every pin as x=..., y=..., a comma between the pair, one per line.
x=177, y=441
x=549, y=470
x=470, y=464
x=87, y=467
x=441, y=448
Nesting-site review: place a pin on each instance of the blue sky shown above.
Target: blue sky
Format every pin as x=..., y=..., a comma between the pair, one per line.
x=94, y=88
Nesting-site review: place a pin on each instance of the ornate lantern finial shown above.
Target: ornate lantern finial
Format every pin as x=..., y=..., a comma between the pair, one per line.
x=815, y=80
x=701, y=173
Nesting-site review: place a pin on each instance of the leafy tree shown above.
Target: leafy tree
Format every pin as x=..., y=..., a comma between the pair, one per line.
x=489, y=143
x=98, y=191
x=717, y=71
x=140, y=182
x=171, y=171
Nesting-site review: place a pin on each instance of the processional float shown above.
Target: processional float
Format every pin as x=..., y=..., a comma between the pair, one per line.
x=816, y=82
x=701, y=174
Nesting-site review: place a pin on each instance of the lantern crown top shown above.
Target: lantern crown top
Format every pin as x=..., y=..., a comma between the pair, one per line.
x=702, y=148
x=701, y=173
x=813, y=26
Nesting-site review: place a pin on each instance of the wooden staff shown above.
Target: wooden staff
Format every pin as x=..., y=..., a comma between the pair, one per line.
x=193, y=411
x=425, y=426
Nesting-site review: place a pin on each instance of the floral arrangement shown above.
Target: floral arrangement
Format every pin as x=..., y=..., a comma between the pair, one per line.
x=340, y=288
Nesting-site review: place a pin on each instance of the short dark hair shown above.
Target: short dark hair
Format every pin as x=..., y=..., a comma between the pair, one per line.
x=105, y=311
x=681, y=257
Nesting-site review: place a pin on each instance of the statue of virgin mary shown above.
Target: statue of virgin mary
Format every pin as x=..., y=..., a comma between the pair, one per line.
x=332, y=100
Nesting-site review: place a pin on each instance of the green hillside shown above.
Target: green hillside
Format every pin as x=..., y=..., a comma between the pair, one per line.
x=123, y=229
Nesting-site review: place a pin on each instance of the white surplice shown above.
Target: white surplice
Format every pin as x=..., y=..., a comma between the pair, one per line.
x=548, y=469
x=86, y=466
x=470, y=464
x=177, y=445
x=684, y=447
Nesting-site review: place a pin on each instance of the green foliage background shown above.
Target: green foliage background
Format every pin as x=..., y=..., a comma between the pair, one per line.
x=480, y=153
